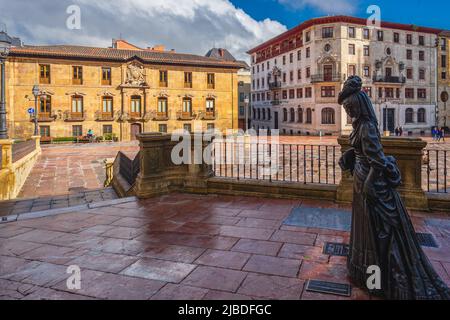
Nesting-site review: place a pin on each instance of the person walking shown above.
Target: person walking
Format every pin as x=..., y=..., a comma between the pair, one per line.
x=397, y=131
x=400, y=131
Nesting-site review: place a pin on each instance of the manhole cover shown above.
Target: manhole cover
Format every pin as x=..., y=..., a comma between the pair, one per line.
x=336, y=249
x=339, y=289
x=427, y=240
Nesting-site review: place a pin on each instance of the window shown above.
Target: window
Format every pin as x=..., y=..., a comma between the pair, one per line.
x=292, y=94
x=299, y=74
x=292, y=114
x=308, y=72
x=299, y=55
x=291, y=58
x=300, y=115
x=366, y=71
x=163, y=78
x=44, y=73
x=210, y=126
x=264, y=114
x=187, y=105
x=327, y=116
x=187, y=127
x=380, y=35
x=409, y=115
x=269, y=115
x=397, y=93
x=285, y=94
x=409, y=39
x=409, y=73
x=308, y=92
x=409, y=93
x=45, y=105
x=421, y=115
x=421, y=74
x=409, y=54
x=380, y=92
x=443, y=44
x=285, y=115
x=396, y=37
x=162, y=106
x=366, y=34
x=389, y=92
x=284, y=60
x=308, y=52
x=136, y=105
x=443, y=61
x=351, y=70
x=77, y=131
x=351, y=49
x=327, y=32
x=299, y=93
x=284, y=76
x=107, y=105
x=308, y=115
x=443, y=75
x=44, y=131
x=188, y=79
x=77, y=75
x=211, y=81
x=77, y=104
x=107, y=129
x=308, y=36
x=162, y=128
x=291, y=76
x=106, y=76
x=366, y=51
x=210, y=106
x=421, y=40
x=328, y=91
x=422, y=93
x=422, y=55
x=351, y=32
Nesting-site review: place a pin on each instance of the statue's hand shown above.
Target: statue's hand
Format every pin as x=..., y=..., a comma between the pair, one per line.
x=347, y=161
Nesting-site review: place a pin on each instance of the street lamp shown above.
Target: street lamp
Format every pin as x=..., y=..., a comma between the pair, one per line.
x=35, y=92
x=246, y=103
x=5, y=45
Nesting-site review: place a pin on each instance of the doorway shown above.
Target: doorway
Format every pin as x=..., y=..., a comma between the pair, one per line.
x=389, y=119
x=136, y=128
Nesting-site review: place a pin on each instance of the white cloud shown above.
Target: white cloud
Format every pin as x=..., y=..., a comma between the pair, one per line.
x=192, y=26
x=324, y=6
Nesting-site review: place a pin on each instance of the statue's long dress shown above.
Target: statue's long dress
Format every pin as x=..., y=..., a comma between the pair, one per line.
x=382, y=233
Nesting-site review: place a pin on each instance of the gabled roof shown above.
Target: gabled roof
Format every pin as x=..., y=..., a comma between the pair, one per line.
x=224, y=54
x=120, y=55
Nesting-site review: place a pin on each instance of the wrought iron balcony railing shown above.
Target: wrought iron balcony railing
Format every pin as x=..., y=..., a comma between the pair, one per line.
x=275, y=85
x=74, y=116
x=389, y=79
x=333, y=77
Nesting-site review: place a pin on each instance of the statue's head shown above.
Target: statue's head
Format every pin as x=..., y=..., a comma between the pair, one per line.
x=355, y=101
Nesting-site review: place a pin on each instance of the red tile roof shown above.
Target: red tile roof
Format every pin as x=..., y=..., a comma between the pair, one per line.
x=120, y=55
x=345, y=19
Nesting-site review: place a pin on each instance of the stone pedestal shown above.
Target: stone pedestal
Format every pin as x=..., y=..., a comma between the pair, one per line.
x=409, y=153
x=6, y=150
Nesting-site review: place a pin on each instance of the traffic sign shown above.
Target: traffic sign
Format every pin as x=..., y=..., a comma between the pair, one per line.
x=31, y=110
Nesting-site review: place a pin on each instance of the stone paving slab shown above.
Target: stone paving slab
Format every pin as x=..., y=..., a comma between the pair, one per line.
x=135, y=250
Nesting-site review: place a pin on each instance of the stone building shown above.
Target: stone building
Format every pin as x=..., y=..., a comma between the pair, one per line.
x=444, y=79
x=122, y=90
x=297, y=76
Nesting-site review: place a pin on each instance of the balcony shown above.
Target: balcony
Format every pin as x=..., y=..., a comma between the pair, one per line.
x=163, y=84
x=133, y=116
x=275, y=85
x=188, y=85
x=181, y=115
x=333, y=77
x=211, y=86
x=74, y=116
x=208, y=115
x=389, y=79
x=104, y=116
x=276, y=102
x=160, y=116
x=45, y=117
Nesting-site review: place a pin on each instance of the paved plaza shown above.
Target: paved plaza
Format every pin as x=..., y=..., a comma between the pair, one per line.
x=183, y=246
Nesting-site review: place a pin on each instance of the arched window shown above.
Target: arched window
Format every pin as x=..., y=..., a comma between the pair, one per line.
x=327, y=116
x=300, y=115
x=107, y=105
x=409, y=115
x=210, y=106
x=292, y=115
x=45, y=105
x=77, y=104
x=285, y=115
x=187, y=105
x=136, y=105
x=421, y=116
x=308, y=115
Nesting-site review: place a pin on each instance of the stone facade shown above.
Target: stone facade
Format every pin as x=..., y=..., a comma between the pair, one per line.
x=244, y=84
x=297, y=76
x=444, y=79
x=128, y=102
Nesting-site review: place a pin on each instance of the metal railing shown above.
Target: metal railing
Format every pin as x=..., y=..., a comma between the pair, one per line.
x=300, y=163
x=22, y=149
x=275, y=85
x=435, y=171
x=333, y=77
x=389, y=79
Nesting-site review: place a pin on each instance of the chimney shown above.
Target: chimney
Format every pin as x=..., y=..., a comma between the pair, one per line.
x=221, y=53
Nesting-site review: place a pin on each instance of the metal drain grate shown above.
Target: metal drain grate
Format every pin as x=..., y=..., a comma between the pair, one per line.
x=339, y=289
x=336, y=249
x=427, y=240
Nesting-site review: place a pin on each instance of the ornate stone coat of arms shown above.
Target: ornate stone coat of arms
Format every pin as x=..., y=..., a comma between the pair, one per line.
x=135, y=75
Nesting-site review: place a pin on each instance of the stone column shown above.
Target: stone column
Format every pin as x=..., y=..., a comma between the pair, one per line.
x=409, y=154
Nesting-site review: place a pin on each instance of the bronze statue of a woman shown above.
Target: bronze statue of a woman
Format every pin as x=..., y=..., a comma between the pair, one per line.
x=382, y=233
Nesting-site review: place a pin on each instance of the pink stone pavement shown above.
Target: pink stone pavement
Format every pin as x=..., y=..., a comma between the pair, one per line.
x=181, y=246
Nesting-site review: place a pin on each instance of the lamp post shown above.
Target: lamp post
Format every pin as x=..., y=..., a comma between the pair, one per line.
x=246, y=103
x=5, y=45
x=35, y=92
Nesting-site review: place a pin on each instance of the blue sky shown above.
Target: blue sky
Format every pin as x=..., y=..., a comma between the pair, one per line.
x=429, y=13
